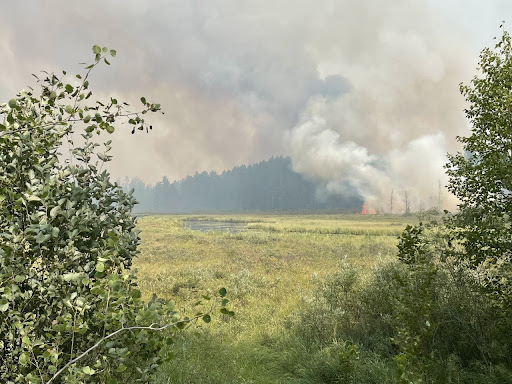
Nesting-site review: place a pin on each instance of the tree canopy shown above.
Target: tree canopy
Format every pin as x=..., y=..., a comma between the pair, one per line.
x=481, y=175
x=269, y=185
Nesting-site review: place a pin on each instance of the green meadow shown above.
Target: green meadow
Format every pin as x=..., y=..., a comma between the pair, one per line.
x=272, y=271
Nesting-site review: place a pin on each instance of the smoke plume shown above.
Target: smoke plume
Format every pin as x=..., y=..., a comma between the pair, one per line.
x=389, y=134
x=360, y=92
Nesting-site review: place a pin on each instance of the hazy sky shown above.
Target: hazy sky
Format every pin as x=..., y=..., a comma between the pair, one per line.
x=359, y=90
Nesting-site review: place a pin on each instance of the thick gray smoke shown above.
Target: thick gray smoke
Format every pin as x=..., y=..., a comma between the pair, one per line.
x=391, y=131
x=321, y=154
x=359, y=91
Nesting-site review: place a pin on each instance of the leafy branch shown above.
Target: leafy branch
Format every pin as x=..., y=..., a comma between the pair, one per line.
x=152, y=327
x=60, y=103
x=68, y=240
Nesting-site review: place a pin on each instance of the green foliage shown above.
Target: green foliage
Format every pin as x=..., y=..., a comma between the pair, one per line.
x=70, y=309
x=470, y=250
x=424, y=322
x=481, y=176
x=268, y=274
x=304, y=317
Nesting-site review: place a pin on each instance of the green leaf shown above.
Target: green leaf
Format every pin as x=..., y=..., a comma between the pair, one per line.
x=24, y=359
x=143, y=100
x=54, y=211
x=110, y=129
x=113, y=53
x=88, y=370
x=106, y=61
x=72, y=276
x=69, y=88
x=121, y=368
x=19, y=278
x=13, y=103
x=33, y=198
x=69, y=109
x=87, y=119
x=32, y=379
x=222, y=292
x=96, y=50
x=42, y=238
x=171, y=305
x=227, y=312
x=207, y=318
x=4, y=305
x=100, y=267
x=103, y=157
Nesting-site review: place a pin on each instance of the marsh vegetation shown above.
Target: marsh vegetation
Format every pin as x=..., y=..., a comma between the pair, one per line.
x=319, y=299
x=273, y=271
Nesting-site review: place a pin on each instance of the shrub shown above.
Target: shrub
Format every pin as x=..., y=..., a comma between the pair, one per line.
x=70, y=309
x=421, y=315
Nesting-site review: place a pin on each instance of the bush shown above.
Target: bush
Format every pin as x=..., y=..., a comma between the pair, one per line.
x=70, y=309
x=421, y=317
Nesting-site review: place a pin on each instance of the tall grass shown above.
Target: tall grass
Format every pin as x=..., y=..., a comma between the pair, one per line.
x=270, y=271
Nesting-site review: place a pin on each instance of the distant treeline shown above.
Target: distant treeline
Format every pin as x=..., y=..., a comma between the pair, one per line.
x=270, y=185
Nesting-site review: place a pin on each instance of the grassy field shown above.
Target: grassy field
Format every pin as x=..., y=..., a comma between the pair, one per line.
x=270, y=270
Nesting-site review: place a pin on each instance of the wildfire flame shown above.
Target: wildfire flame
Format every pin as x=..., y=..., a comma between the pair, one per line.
x=367, y=211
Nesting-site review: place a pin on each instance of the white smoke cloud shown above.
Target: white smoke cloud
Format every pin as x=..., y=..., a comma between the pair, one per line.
x=391, y=131
x=322, y=154
x=242, y=81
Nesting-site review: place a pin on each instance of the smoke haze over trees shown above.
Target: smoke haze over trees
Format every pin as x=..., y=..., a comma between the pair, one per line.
x=265, y=186
x=364, y=92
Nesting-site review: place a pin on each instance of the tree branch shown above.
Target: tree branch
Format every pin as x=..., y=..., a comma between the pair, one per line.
x=64, y=122
x=152, y=327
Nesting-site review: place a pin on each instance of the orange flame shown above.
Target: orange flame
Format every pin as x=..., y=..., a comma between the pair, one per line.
x=367, y=211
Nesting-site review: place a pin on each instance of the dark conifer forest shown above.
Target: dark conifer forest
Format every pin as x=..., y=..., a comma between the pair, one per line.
x=270, y=185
